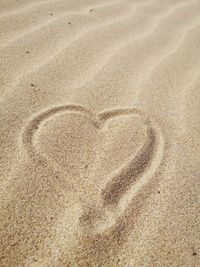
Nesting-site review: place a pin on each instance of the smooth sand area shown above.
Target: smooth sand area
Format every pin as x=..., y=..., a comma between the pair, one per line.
x=99, y=133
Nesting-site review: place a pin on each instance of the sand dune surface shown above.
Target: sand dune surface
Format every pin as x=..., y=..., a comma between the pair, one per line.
x=100, y=133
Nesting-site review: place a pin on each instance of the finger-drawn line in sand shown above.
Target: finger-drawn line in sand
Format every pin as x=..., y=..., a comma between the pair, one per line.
x=119, y=191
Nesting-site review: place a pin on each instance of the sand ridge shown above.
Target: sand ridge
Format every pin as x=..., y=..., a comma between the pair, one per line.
x=99, y=136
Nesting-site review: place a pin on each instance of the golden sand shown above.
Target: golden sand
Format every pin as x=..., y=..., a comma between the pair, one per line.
x=100, y=133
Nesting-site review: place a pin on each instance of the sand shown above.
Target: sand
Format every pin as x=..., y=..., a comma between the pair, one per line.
x=99, y=133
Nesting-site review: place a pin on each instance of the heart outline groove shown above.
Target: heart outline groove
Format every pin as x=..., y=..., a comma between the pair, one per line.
x=125, y=182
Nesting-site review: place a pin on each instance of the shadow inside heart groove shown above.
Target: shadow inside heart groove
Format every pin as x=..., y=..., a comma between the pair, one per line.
x=105, y=154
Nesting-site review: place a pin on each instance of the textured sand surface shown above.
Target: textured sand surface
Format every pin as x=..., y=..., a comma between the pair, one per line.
x=99, y=133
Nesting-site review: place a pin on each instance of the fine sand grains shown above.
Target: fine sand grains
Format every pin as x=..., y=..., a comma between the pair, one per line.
x=100, y=133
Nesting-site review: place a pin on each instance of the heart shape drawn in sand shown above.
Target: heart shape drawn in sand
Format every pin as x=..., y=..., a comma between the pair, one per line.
x=123, y=183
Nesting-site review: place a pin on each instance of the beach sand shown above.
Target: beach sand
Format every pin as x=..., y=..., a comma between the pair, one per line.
x=99, y=133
